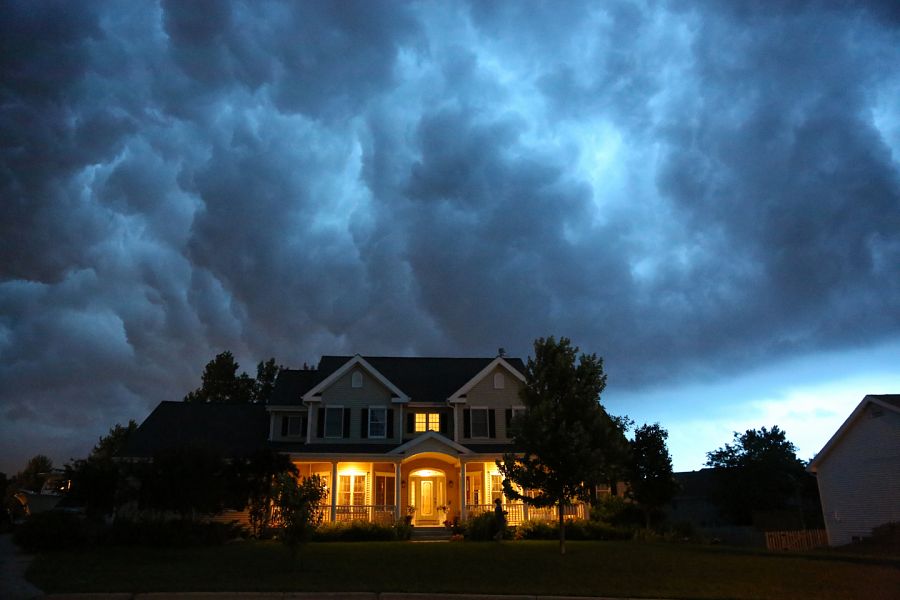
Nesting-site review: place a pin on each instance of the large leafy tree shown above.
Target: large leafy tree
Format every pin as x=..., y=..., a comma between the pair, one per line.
x=96, y=479
x=759, y=471
x=651, y=483
x=221, y=381
x=255, y=480
x=566, y=441
x=298, y=503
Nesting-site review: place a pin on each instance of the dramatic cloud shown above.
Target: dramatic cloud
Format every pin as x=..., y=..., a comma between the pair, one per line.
x=692, y=191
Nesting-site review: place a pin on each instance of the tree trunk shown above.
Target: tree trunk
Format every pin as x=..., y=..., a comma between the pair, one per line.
x=562, y=528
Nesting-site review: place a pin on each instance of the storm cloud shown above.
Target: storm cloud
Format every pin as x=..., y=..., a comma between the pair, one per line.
x=689, y=190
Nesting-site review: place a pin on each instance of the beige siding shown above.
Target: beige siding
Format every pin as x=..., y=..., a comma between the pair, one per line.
x=483, y=394
x=342, y=393
x=859, y=481
x=275, y=427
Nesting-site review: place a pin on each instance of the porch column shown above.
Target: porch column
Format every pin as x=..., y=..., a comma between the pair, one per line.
x=334, y=489
x=462, y=490
x=397, y=470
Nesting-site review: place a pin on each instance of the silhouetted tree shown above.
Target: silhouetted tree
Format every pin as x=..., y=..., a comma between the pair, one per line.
x=759, y=471
x=187, y=480
x=255, y=480
x=568, y=442
x=35, y=473
x=96, y=479
x=298, y=503
x=651, y=482
x=222, y=383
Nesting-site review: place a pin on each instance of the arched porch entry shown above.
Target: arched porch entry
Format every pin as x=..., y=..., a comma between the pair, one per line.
x=430, y=488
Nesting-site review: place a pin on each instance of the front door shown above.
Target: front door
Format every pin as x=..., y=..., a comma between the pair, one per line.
x=427, y=502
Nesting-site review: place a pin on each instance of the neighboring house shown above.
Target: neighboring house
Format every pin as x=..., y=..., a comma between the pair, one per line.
x=390, y=436
x=858, y=471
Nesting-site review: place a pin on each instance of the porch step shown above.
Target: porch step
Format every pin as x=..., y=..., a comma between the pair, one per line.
x=421, y=534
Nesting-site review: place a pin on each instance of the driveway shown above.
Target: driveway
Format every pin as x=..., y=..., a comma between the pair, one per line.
x=12, y=572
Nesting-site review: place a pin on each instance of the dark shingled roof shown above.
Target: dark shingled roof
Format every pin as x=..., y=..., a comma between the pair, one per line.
x=231, y=429
x=292, y=383
x=892, y=399
x=333, y=448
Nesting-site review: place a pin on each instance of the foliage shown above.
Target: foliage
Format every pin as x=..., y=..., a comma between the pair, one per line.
x=361, y=531
x=255, y=480
x=96, y=479
x=34, y=474
x=759, y=471
x=51, y=531
x=567, y=440
x=484, y=527
x=187, y=480
x=651, y=482
x=616, y=511
x=221, y=382
x=298, y=502
x=576, y=529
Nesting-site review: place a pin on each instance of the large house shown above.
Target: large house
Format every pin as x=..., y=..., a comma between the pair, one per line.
x=858, y=471
x=391, y=437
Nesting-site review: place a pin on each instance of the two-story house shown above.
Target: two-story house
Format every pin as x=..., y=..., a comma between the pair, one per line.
x=390, y=436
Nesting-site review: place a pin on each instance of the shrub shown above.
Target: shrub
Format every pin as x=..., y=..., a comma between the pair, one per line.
x=53, y=530
x=616, y=510
x=576, y=529
x=483, y=528
x=360, y=531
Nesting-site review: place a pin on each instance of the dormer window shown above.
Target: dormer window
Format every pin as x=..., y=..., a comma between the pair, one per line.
x=356, y=379
x=499, y=381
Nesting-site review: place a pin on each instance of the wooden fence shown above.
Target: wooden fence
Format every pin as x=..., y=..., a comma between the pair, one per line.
x=806, y=539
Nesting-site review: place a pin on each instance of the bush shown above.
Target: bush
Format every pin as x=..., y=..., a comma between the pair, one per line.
x=53, y=530
x=576, y=529
x=483, y=528
x=616, y=510
x=361, y=531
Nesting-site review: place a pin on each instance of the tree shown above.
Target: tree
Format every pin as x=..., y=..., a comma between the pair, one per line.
x=35, y=473
x=652, y=484
x=567, y=441
x=759, y=471
x=188, y=480
x=298, y=501
x=222, y=383
x=256, y=478
x=96, y=479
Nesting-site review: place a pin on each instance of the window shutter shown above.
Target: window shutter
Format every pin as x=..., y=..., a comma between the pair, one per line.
x=364, y=423
x=304, y=423
x=284, y=425
x=444, y=423
x=492, y=423
x=508, y=420
x=346, y=431
x=320, y=424
x=410, y=423
x=467, y=423
x=390, y=422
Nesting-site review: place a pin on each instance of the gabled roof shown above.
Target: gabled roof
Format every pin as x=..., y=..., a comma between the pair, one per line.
x=357, y=360
x=426, y=437
x=426, y=379
x=234, y=430
x=499, y=361
x=888, y=401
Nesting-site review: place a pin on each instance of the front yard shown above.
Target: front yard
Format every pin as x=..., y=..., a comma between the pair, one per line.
x=590, y=568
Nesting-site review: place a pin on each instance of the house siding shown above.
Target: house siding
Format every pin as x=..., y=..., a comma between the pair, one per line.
x=483, y=394
x=859, y=480
x=342, y=393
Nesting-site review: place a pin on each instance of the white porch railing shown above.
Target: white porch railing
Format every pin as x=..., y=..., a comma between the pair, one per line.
x=373, y=513
x=517, y=512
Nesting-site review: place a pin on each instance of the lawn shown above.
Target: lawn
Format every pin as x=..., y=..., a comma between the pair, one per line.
x=590, y=568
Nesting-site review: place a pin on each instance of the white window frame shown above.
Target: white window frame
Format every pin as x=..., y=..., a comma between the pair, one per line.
x=384, y=423
x=517, y=410
x=487, y=422
x=341, y=421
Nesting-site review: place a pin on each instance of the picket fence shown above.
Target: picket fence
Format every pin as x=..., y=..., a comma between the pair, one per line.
x=806, y=539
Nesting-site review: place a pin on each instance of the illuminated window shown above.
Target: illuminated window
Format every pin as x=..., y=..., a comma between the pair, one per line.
x=377, y=422
x=428, y=422
x=384, y=490
x=352, y=490
x=496, y=488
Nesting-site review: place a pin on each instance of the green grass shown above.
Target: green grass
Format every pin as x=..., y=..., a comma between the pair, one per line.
x=590, y=568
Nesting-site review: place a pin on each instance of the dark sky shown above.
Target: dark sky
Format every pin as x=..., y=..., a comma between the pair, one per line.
x=707, y=194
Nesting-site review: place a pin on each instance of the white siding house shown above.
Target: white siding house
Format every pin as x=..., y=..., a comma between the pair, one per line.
x=858, y=471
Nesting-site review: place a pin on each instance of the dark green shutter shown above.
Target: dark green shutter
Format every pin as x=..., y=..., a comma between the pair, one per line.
x=320, y=424
x=508, y=420
x=492, y=423
x=410, y=423
x=284, y=425
x=346, y=431
x=467, y=423
x=390, y=422
x=364, y=423
x=444, y=423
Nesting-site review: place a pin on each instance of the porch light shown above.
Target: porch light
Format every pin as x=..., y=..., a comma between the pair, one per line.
x=351, y=471
x=450, y=484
